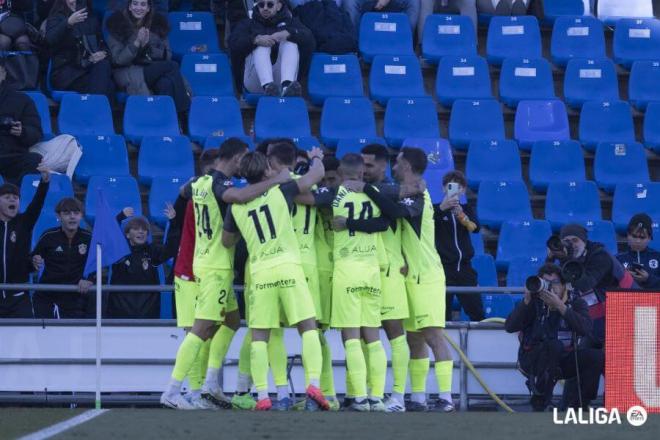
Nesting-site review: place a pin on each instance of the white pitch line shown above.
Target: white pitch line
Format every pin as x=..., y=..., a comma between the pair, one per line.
x=59, y=428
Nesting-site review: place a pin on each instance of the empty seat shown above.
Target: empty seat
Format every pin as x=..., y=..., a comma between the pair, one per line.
x=281, y=117
x=577, y=37
x=572, y=202
x=477, y=240
x=448, y=35
x=410, y=118
x=164, y=190
x=590, y=80
x=60, y=187
x=355, y=145
x=517, y=36
x=102, y=156
x=602, y=231
x=484, y=265
x=497, y=305
x=334, y=75
x=475, y=120
x=214, y=116
x=611, y=11
x=652, y=126
x=606, y=122
x=462, y=77
x=208, y=74
x=522, y=239
x=150, y=116
x=216, y=141
x=636, y=39
x=440, y=162
x=192, y=32
x=85, y=114
x=522, y=268
x=395, y=77
x=502, y=201
x=523, y=78
x=540, y=121
x=165, y=156
x=633, y=198
x=556, y=9
x=41, y=103
x=119, y=192
x=385, y=34
x=347, y=118
x=555, y=161
x=492, y=160
x=644, y=83
x=620, y=163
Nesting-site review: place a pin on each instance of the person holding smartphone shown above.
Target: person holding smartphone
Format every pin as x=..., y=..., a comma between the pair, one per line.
x=641, y=260
x=454, y=222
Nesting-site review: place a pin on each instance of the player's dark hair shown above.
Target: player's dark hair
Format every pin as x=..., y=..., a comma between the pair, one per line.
x=330, y=163
x=231, y=148
x=550, y=269
x=262, y=147
x=253, y=167
x=377, y=150
x=454, y=176
x=284, y=151
x=207, y=158
x=69, y=204
x=416, y=157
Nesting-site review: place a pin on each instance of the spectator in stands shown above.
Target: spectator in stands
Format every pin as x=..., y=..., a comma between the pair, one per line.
x=641, y=260
x=15, y=240
x=62, y=253
x=454, y=222
x=20, y=128
x=331, y=25
x=356, y=8
x=141, y=54
x=254, y=42
x=462, y=7
x=503, y=7
x=13, y=33
x=550, y=321
x=79, y=56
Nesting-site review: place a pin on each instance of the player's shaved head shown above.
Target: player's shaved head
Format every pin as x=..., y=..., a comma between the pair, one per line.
x=284, y=151
x=351, y=166
x=253, y=167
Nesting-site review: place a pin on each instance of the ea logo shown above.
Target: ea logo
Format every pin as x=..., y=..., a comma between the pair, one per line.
x=636, y=415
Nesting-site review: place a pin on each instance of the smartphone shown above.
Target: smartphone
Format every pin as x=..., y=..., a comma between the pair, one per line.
x=636, y=267
x=453, y=189
x=81, y=4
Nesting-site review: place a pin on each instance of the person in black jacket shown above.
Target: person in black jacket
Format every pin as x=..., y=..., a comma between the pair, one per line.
x=254, y=43
x=454, y=222
x=15, y=241
x=20, y=128
x=550, y=321
x=62, y=253
x=79, y=56
x=641, y=260
x=13, y=33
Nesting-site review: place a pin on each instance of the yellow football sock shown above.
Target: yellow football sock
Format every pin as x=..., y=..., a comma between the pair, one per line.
x=400, y=360
x=419, y=370
x=327, y=374
x=219, y=346
x=259, y=365
x=277, y=356
x=186, y=355
x=365, y=353
x=377, y=369
x=244, y=354
x=443, y=372
x=357, y=368
x=312, y=356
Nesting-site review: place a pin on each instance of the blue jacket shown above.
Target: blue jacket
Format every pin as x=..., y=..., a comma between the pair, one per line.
x=650, y=259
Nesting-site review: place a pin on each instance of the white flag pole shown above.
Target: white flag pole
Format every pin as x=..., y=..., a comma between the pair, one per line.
x=99, y=277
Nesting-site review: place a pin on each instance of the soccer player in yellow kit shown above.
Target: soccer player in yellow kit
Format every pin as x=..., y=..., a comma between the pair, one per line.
x=425, y=279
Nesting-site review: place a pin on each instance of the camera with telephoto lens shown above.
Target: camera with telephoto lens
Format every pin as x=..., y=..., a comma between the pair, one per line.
x=535, y=285
x=557, y=246
x=6, y=122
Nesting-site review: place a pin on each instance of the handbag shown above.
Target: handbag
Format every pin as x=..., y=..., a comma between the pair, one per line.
x=22, y=69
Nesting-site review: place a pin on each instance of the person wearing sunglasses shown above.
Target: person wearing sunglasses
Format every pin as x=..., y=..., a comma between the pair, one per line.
x=641, y=260
x=271, y=50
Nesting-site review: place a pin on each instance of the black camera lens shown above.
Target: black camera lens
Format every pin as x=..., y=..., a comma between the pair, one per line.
x=535, y=284
x=555, y=244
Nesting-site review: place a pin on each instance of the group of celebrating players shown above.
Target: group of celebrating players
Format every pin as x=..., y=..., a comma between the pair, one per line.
x=336, y=245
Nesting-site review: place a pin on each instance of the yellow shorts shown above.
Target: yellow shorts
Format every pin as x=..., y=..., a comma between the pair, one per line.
x=285, y=285
x=185, y=297
x=356, y=296
x=395, y=300
x=426, y=302
x=216, y=294
x=312, y=276
x=325, y=292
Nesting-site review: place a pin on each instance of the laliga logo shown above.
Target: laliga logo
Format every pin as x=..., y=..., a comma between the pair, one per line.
x=636, y=416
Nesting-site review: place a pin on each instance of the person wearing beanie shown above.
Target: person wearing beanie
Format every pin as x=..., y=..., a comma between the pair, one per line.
x=15, y=240
x=641, y=260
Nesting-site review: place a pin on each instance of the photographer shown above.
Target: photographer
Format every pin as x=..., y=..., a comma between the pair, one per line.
x=550, y=318
x=641, y=260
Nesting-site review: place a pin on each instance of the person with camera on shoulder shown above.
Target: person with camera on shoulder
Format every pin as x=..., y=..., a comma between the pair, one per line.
x=641, y=260
x=551, y=318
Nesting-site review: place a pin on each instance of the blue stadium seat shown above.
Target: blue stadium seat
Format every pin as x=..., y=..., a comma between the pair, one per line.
x=448, y=35
x=60, y=187
x=462, y=77
x=644, y=83
x=556, y=9
x=102, y=156
x=385, y=34
x=577, y=37
x=590, y=80
x=208, y=74
x=355, y=145
x=192, y=32
x=652, y=126
x=605, y=122
x=440, y=162
x=216, y=141
x=523, y=78
x=55, y=94
x=477, y=240
x=636, y=39
x=517, y=36
x=495, y=305
x=655, y=242
x=492, y=160
x=281, y=117
x=555, y=161
x=41, y=103
x=334, y=75
x=475, y=120
x=620, y=163
x=484, y=265
x=395, y=77
x=165, y=156
x=214, y=116
x=164, y=190
x=540, y=121
x=410, y=118
x=46, y=220
x=307, y=143
x=502, y=201
x=498, y=305
x=572, y=202
x=347, y=118
x=632, y=198
x=522, y=268
x=602, y=231
x=522, y=239
x=119, y=192
x=85, y=115
x=149, y=116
